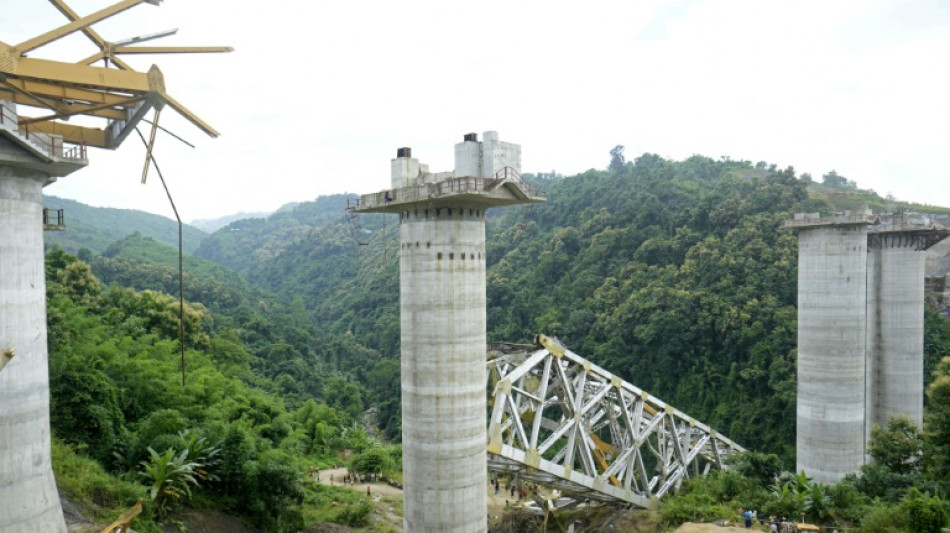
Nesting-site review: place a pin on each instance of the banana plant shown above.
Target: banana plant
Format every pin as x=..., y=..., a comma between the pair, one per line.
x=169, y=478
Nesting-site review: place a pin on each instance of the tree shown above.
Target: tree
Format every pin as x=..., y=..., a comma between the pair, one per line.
x=833, y=179
x=616, y=159
x=937, y=423
x=761, y=467
x=898, y=447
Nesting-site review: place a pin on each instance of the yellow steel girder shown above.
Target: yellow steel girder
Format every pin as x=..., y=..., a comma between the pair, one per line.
x=73, y=16
x=68, y=109
x=78, y=24
x=69, y=89
x=72, y=75
x=77, y=134
x=67, y=94
x=189, y=116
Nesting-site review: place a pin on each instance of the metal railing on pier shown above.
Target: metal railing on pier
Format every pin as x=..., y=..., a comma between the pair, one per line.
x=51, y=145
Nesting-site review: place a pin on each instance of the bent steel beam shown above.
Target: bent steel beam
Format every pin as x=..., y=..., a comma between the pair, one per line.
x=559, y=420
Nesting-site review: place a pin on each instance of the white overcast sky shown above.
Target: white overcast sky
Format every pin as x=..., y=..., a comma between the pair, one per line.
x=319, y=94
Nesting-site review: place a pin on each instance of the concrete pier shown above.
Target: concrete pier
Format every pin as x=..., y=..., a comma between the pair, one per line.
x=832, y=264
x=443, y=318
x=896, y=269
x=860, y=332
x=29, y=502
x=442, y=294
x=28, y=494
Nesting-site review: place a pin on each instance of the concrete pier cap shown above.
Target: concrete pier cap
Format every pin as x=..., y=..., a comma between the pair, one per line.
x=486, y=173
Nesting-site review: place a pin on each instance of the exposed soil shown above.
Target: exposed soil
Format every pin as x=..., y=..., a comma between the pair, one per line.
x=207, y=521
x=376, y=488
x=691, y=527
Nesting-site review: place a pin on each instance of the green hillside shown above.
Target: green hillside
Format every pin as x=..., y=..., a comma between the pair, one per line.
x=246, y=245
x=237, y=436
x=95, y=228
x=142, y=263
x=675, y=275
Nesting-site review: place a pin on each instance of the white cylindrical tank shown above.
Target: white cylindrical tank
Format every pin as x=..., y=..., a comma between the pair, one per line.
x=442, y=294
x=895, y=328
x=29, y=502
x=832, y=267
x=468, y=157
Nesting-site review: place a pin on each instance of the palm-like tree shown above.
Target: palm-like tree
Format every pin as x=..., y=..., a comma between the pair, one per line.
x=169, y=477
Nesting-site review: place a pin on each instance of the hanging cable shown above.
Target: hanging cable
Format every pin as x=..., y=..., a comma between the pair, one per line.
x=181, y=269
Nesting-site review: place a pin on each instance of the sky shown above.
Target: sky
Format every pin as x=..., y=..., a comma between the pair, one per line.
x=318, y=95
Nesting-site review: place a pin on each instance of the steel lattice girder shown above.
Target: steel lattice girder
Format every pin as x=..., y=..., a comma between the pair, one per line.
x=559, y=420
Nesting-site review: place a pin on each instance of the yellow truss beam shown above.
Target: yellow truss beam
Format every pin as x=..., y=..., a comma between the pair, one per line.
x=77, y=25
x=73, y=16
x=93, y=36
x=69, y=89
x=32, y=99
x=85, y=76
x=77, y=134
x=191, y=117
x=102, y=110
x=64, y=93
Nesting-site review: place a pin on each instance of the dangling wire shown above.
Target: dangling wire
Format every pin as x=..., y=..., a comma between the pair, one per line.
x=385, y=244
x=181, y=269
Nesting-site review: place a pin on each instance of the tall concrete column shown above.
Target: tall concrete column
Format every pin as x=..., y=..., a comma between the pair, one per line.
x=443, y=318
x=895, y=328
x=29, y=502
x=442, y=294
x=832, y=267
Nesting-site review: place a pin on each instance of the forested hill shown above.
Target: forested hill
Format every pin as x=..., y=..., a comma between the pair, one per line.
x=95, y=228
x=247, y=245
x=675, y=275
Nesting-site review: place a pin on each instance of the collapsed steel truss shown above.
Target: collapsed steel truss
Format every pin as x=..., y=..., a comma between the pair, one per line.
x=559, y=420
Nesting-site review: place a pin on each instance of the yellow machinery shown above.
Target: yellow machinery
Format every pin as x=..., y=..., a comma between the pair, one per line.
x=121, y=96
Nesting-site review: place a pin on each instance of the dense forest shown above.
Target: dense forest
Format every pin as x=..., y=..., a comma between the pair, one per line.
x=676, y=275
x=95, y=228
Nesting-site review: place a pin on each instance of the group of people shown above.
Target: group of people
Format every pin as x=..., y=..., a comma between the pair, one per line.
x=516, y=489
x=354, y=478
x=776, y=525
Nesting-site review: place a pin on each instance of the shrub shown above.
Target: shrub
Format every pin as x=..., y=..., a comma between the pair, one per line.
x=103, y=495
x=925, y=514
x=352, y=515
x=169, y=478
x=883, y=519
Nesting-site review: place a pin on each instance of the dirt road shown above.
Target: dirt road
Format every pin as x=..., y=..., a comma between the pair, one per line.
x=336, y=474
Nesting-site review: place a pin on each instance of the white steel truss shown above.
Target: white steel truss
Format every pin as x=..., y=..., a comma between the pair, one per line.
x=561, y=421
